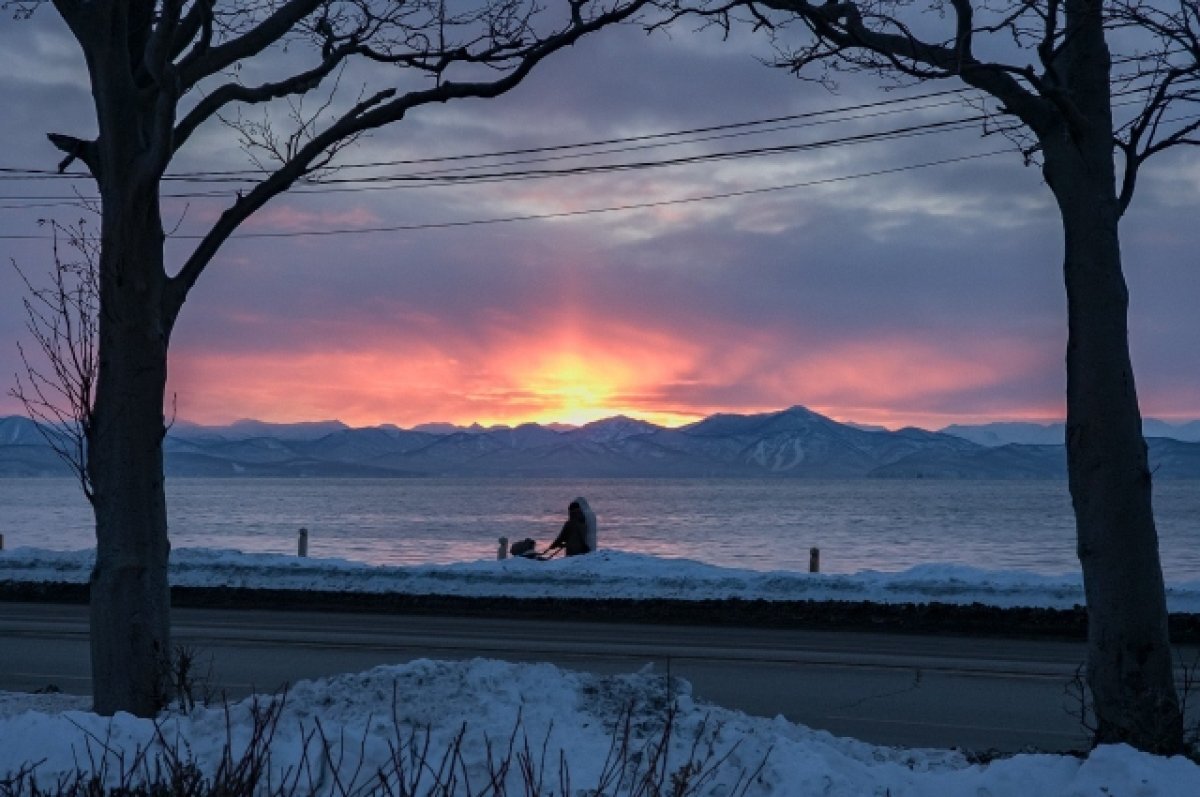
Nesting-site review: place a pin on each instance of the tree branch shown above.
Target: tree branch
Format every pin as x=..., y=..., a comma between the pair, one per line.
x=205, y=62
x=62, y=320
x=76, y=149
x=843, y=25
x=196, y=30
x=380, y=109
x=235, y=92
x=158, y=51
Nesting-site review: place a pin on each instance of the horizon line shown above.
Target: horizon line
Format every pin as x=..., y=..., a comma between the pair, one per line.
x=632, y=416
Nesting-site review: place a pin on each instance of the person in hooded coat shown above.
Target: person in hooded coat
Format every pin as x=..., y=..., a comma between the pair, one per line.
x=590, y=517
x=573, y=536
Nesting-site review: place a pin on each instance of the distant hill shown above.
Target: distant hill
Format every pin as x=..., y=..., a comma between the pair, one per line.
x=1002, y=434
x=246, y=429
x=792, y=443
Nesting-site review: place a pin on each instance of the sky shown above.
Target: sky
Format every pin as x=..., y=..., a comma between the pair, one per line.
x=925, y=296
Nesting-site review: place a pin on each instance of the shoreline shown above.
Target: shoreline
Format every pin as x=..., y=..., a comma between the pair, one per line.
x=976, y=619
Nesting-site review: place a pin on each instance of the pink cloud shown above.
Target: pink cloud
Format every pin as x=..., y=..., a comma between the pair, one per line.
x=566, y=365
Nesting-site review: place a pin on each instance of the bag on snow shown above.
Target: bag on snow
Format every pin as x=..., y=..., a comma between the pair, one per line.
x=525, y=547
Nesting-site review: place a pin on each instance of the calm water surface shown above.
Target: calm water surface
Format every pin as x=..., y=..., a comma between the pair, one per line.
x=764, y=525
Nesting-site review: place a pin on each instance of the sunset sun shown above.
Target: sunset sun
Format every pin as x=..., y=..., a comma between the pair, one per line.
x=574, y=389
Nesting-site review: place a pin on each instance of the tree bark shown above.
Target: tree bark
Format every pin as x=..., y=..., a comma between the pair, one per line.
x=1129, y=667
x=130, y=597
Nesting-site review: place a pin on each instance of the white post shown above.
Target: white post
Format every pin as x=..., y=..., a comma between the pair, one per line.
x=502, y=553
x=302, y=543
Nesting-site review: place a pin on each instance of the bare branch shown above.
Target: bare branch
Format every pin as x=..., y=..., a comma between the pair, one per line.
x=62, y=320
x=76, y=149
x=381, y=109
x=207, y=61
x=229, y=93
x=861, y=36
x=1167, y=75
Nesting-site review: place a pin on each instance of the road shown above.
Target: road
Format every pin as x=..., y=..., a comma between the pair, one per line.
x=897, y=689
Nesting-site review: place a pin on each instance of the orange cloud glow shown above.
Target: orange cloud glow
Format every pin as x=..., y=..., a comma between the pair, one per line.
x=573, y=372
x=570, y=378
x=556, y=376
x=906, y=382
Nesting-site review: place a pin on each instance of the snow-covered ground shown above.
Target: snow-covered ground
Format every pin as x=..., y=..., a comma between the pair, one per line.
x=605, y=574
x=336, y=735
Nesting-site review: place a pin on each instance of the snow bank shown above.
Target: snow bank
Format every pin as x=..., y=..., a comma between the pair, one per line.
x=605, y=574
x=368, y=717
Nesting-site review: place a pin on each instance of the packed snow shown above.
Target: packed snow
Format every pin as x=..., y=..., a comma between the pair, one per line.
x=357, y=732
x=604, y=574
x=349, y=733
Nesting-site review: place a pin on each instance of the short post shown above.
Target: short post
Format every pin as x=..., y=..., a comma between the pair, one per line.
x=1, y=542
x=502, y=553
x=302, y=543
x=814, y=560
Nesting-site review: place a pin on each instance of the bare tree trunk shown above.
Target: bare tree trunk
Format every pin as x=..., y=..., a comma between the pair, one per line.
x=130, y=597
x=1129, y=667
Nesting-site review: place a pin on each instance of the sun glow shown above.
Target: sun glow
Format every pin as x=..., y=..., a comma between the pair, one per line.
x=571, y=391
x=574, y=372
x=549, y=375
x=569, y=386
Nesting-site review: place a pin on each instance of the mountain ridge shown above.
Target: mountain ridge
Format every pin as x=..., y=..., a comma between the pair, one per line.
x=791, y=443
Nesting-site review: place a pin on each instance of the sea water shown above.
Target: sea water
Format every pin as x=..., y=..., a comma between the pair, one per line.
x=758, y=524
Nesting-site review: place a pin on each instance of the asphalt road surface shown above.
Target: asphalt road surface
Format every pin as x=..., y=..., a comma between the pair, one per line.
x=897, y=689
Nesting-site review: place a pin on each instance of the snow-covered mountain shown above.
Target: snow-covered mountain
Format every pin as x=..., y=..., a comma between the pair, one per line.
x=792, y=443
x=18, y=431
x=1002, y=434
x=247, y=429
x=1053, y=434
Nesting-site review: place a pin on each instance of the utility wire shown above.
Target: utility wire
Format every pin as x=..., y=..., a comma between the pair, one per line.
x=892, y=106
x=422, y=180
x=441, y=179
x=450, y=177
x=574, y=213
x=740, y=127
x=614, y=208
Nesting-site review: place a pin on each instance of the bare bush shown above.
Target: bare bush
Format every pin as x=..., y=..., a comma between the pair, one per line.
x=415, y=766
x=58, y=387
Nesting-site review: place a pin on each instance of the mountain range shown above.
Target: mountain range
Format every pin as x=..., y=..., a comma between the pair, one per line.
x=792, y=443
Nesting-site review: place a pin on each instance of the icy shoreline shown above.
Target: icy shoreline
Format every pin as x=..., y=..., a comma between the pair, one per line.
x=606, y=574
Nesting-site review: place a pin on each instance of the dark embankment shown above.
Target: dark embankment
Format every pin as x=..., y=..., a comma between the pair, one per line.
x=930, y=618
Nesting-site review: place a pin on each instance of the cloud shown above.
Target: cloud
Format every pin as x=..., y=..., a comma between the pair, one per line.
x=924, y=294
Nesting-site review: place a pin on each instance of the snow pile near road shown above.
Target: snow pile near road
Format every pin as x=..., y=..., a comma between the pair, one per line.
x=367, y=718
x=605, y=574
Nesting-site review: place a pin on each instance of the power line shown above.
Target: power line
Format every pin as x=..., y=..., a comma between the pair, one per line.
x=527, y=174
x=576, y=213
x=740, y=128
x=441, y=179
x=438, y=179
x=614, y=208
x=12, y=172
x=453, y=176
